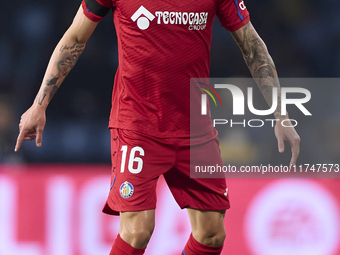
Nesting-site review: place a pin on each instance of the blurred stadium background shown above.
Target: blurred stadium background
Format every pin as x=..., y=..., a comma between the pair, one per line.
x=50, y=198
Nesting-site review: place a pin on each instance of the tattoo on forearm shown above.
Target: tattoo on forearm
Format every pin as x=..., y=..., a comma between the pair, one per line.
x=74, y=48
x=68, y=56
x=54, y=90
x=52, y=81
x=260, y=63
x=41, y=98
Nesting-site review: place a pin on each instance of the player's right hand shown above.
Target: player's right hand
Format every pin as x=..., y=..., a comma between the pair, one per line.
x=31, y=126
x=288, y=134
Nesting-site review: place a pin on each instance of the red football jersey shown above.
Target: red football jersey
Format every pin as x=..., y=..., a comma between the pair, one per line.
x=161, y=45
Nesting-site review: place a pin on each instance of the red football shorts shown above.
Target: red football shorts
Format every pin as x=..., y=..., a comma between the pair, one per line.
x=138, y=160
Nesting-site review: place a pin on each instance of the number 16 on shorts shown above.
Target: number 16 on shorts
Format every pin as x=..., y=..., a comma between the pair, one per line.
x=135, y=163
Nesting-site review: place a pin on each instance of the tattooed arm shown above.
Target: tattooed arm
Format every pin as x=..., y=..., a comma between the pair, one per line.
x=63, y=59
x=259, y=62
x=263, y=70
x=61, y=63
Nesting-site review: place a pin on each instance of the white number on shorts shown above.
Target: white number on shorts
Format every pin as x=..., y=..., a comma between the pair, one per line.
x=132, y=159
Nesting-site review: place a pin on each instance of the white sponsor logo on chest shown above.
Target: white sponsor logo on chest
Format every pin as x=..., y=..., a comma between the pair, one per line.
x=194, y=20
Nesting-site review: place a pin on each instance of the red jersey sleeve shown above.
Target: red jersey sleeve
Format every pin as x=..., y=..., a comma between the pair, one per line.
x=95, y=10
x=232, y=14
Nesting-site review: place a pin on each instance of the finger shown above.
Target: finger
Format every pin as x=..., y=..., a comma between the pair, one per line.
x=31, y=132
x=281, y=144
x=295, y=151
x=38, y=140
x=30, y=137
x=294, y=158
x=20, y=139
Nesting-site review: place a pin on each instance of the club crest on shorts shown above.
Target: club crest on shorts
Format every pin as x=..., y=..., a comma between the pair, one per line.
x=126, y=189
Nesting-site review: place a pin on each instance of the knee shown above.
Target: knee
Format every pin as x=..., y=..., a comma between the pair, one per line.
x=137, y=235
x=136, y=227
x=138, y=238
x=211, y=237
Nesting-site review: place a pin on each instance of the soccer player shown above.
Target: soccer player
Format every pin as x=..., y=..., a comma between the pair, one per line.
x=161, y=45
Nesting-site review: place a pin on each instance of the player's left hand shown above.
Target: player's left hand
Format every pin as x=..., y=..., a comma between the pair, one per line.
x=289, y=134
x=31, y=125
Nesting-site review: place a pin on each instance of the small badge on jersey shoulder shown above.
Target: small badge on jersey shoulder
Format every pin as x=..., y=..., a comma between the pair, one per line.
x=126, y=189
